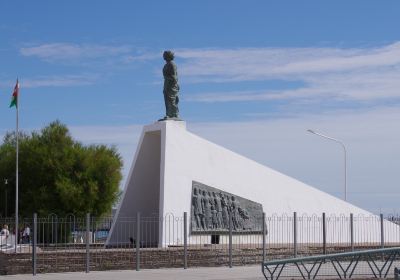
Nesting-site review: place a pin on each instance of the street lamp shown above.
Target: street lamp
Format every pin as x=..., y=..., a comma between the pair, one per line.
x=345, y=157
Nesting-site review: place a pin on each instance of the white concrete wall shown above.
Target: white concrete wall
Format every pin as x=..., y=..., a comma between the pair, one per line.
x=142, y=190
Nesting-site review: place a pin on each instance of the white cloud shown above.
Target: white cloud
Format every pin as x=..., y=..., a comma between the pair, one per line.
x=353, y=74
x=141, y=57
x=253, y=63
x=125, y=138
x=111, y=135
x=252, y=95
x=68, y=51
x=59, y=81
x=53, y=81
x=361, y=86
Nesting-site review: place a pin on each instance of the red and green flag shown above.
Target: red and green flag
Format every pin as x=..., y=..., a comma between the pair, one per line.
x=14, y=98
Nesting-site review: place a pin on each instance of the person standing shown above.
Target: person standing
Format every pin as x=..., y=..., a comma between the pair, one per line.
x=26, y=235
x=4, y=234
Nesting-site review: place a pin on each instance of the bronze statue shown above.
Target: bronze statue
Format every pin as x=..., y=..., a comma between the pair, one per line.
x=171, y=87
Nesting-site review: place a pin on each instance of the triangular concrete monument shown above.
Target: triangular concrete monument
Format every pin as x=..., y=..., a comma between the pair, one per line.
x=169, y=159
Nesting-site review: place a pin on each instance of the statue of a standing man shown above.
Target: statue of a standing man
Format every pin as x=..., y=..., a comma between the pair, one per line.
x=171, y=87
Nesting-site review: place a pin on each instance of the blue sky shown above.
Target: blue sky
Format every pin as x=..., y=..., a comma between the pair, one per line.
x=254, y=76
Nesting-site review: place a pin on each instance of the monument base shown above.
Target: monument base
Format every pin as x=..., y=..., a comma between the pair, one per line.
x=169, y=159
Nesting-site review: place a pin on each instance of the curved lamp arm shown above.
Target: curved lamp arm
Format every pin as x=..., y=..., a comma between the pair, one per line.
x=345, y=156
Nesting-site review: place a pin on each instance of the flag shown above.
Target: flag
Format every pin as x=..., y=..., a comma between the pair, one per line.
x=14, y=98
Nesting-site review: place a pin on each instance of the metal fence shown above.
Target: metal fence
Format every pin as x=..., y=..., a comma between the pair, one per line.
x=70, y=243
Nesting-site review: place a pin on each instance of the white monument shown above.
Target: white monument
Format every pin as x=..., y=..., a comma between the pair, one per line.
x=169, y=158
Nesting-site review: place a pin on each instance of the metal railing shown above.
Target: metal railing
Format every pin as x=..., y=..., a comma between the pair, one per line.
x=73, y=243
x=367, y=263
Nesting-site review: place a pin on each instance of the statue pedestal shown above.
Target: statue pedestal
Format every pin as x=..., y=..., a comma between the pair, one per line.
x=170, y=119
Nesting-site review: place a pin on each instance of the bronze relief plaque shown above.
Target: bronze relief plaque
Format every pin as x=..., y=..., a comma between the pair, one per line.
x=212, y=207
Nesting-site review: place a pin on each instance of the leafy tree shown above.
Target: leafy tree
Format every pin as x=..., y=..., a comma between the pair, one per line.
x=58, y=174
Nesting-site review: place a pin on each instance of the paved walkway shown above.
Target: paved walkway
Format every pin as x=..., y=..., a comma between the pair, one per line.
x=219, y=273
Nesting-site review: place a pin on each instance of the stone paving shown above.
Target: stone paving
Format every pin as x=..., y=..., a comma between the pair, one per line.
x=219, y=273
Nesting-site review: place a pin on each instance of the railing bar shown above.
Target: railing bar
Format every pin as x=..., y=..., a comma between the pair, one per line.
x=335, y=255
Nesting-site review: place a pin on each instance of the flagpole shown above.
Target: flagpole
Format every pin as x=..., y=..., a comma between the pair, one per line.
x=16, y=174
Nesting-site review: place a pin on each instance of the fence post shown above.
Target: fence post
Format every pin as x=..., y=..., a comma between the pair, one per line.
x=382, y=232
x=34, y=244
x=263, y=237
x=352, y=232
x=137, y=241
x=230, y=239
x=324, y=233
x=185, y=240
x=56, y=231
x=87, y=242
x=295, y=234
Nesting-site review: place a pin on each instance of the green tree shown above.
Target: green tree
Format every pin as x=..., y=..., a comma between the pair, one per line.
x=58, y=174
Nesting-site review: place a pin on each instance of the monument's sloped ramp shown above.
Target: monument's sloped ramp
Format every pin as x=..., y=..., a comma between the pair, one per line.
x=191, y=158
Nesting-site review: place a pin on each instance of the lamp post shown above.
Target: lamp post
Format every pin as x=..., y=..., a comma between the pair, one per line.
x=5, y=196
x=345, y=157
